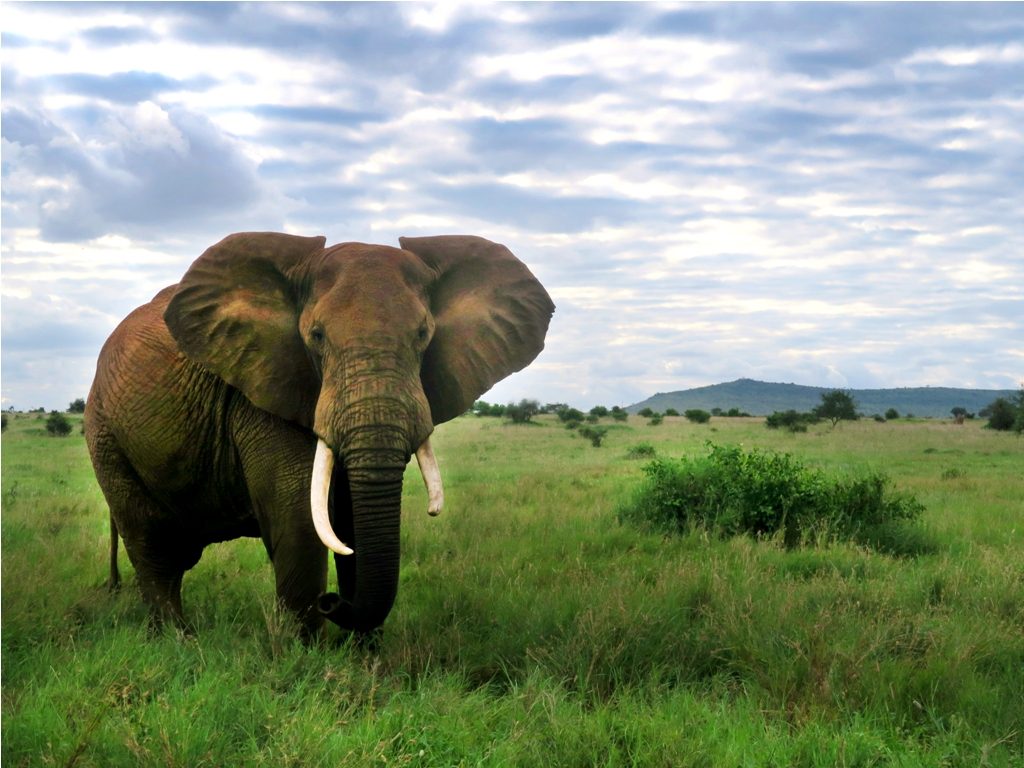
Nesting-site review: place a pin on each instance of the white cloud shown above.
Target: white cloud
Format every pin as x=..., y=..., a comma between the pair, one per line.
x=792, y=195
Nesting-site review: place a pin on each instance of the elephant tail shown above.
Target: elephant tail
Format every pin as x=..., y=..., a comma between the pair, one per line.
x=114, y=583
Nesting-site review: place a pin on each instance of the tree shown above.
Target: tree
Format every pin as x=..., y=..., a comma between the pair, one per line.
x=671, y=412
x=619, y=413
x=892, y=413
x=656, y=419
x=836, y=406
x=3, y=422
x=645, y=412
x=523, y=411
x=57, y=425
x=77, y=406
x=599, y=411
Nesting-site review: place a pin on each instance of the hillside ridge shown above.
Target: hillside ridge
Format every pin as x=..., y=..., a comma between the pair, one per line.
x=760, y=398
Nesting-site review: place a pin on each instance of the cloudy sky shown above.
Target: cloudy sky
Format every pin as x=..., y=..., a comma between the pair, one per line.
x=821, y=194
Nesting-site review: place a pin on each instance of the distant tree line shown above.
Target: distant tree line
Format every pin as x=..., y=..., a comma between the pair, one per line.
x=1006, y=414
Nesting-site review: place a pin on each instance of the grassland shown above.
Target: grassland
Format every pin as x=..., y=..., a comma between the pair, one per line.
x=532, y=628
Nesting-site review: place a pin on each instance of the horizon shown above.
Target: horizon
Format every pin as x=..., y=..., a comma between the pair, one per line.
x=783, y=192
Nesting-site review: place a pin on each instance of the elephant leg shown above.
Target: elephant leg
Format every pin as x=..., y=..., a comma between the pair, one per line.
x=160, y=585
x=158, y=555
x=300, y=573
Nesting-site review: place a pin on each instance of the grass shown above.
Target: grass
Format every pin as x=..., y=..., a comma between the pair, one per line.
x=532, y=628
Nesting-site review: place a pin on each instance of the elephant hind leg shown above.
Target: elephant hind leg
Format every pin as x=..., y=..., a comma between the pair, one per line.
x=161, y=592
x=158, y=552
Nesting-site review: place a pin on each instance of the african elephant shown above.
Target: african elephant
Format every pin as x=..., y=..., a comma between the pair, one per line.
x=280, y=389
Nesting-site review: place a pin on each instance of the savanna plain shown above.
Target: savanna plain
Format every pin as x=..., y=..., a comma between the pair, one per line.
x=533, y=627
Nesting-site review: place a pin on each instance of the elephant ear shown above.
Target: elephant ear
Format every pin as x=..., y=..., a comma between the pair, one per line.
x=491, y=315
x=236, y=313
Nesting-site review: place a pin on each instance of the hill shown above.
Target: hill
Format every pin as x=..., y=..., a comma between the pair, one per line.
x=760, y=398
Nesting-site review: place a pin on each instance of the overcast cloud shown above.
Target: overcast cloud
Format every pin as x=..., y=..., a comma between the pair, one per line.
x=821, y=194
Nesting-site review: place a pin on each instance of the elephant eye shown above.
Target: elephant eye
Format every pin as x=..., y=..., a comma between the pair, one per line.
x=423, y=332
x=316, y=335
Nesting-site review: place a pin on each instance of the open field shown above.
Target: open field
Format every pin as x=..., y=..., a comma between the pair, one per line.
x=532, y=628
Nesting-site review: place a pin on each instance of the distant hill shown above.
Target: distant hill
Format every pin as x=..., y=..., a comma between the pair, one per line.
x=760, y=398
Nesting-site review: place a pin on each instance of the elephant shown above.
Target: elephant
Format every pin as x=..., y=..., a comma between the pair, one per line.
x=279, y=390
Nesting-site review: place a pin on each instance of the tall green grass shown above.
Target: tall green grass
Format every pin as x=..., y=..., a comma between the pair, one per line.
x=532, y=628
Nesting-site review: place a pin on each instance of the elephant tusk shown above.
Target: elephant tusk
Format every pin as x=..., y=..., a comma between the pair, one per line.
x=319, y=490
x=431, y=477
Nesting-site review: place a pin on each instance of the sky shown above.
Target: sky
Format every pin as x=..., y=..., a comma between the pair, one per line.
x=824, y=194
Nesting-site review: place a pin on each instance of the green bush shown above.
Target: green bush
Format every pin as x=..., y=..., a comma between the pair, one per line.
x=671, y=412
x=522, y=412
x=697, y=416
x=792, y=420
x=57, y=425
x=594, y=434
x=656, y=419
x=763, y=493
x=641, y=451
x=892, y=413
x=1006, y=414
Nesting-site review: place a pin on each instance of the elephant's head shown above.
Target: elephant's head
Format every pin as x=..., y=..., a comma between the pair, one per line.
x=369, y=347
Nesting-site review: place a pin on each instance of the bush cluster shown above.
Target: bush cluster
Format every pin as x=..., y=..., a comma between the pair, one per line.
x=594, y=434
x=763, y=493
x=698, y=416
x=792, y=420
x=1006, y=414
x=57, y=425
x=641, y=451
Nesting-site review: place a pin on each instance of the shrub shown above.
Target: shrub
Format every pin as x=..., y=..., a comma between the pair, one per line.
x=892, y=413
x=641, y=451
x=522, y=412
x=599, y=411
x=619, y=413
x=645, y=412
x=697, y=416
x=571, y=417
x=792, y=420
x=3, y=422
x=762, y=493
x=482, y=408
x=1006, y=414
x=77, y=406
x=671, y=412
x=57, y=425
x=879, y=418
x=594, y=434
x=656, y=419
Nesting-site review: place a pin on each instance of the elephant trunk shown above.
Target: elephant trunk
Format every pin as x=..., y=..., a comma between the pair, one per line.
x=368, y=560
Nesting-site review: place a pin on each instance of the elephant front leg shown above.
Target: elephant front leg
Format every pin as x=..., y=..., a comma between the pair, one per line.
x=300, y=573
